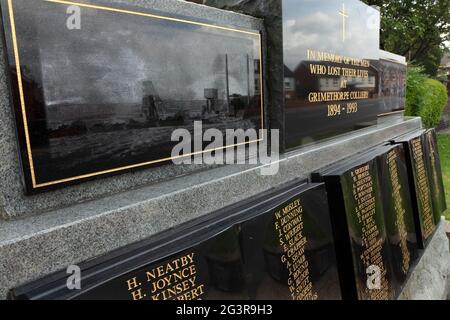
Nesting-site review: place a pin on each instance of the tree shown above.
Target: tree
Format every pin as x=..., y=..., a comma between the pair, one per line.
x=416, y=29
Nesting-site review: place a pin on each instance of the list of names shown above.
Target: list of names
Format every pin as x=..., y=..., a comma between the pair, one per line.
x=399, y=208
x=174, y=280
x=289, y=225
x=423, y=188
x=372, y=240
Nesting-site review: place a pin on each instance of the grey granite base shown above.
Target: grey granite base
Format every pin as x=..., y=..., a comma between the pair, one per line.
x=38, y=245
x=429, y=281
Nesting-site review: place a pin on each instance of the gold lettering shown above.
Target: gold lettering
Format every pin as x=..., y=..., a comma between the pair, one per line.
x=330, y=96
x=423, y=188
x=137, y=295
x=289, y=223
x=133, y=284
x=175, y=280
x=371, y=238
x=315, y=55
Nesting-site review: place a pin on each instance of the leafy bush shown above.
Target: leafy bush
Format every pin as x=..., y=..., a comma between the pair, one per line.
x=425, y=97
x=435, y=100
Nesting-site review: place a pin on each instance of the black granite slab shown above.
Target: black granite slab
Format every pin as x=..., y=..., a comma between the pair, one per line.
x=360, y=233
x=270, y=11
x=290, y=251
x=212, y=270
x=275, y=246
x=392, y=85
x=331, y=82
x=104, y=98
x=419, y=182
x=398, y=212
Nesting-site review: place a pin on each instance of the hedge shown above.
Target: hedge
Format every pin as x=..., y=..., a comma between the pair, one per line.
x=425, y=97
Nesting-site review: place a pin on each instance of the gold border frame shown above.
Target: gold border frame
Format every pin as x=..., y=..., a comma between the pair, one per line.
x=37, y=185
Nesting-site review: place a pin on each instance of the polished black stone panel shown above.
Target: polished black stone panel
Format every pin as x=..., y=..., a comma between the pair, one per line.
x=398, y=211
x=105, y=98
x=289, y=251
x=419, y=182
x=433, y=162
x=391, y=163
x=212, y=269
x=275, y=246
x=331, y=82
x=392, y=89
x=362, y=243
x=271, y=12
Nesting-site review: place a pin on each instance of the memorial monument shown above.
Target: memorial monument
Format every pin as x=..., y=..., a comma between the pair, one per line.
x=93, y=204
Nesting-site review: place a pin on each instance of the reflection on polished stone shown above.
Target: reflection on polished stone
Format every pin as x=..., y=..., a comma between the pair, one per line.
x=433, y=163
x=290, y=253
x=398, y=212
x=356, y=208
x=331, y=81
x=275, y=246
x=106, y=97
x=212, y=270
x=392, y=86
x=419, y=180
x=201, y=263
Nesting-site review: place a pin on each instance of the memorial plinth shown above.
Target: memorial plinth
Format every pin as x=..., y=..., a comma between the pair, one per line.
x=47, y=243
x=94, y=95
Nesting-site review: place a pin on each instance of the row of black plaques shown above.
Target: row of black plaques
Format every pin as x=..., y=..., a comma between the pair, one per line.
x=355, y=233
x=385, y=205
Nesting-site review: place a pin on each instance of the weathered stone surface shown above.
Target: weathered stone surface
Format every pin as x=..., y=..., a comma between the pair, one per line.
x=429, y=280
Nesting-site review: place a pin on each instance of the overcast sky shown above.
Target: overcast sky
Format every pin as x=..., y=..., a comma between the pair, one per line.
x=113, y=53
x=312, y=24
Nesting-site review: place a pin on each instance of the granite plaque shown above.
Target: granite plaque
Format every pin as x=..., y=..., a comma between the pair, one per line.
x=433, y=163
x=392, y=85
x=420, y=186
x=98, y=88
x=211, y=269
x=290, y=251
x=362, y=244
x=275, y=246
x=398, y=211
x=331, y=84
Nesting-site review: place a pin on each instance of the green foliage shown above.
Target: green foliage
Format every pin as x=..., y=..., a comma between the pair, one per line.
x=414, y=90
x=444, y=152
x=435, y=99
x=415, y=29
x=425, y=97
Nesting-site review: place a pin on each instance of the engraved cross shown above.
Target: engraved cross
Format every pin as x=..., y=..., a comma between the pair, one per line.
x=344, y=15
